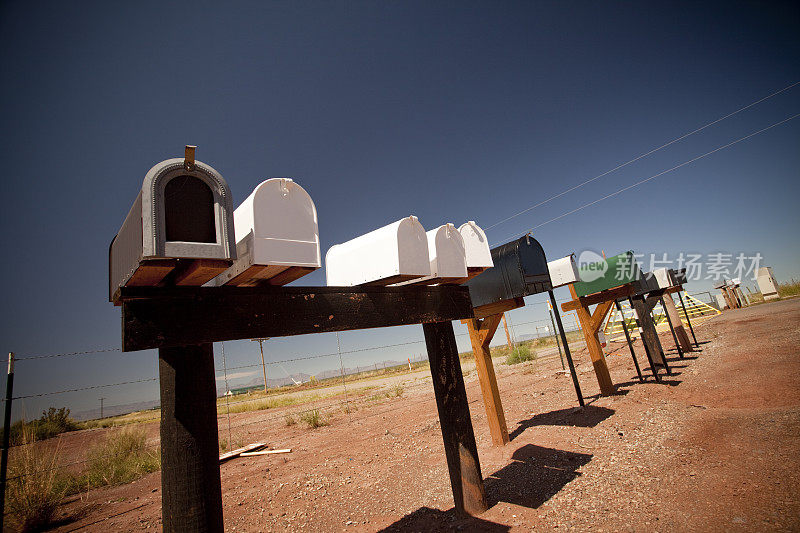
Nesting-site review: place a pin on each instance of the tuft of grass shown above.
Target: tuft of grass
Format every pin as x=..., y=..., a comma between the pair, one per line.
x=348, y=408
x=396, y=391
x=520, y=354
x=121, y=458
x=289, y=420
x=32, y=499
x=313, y=419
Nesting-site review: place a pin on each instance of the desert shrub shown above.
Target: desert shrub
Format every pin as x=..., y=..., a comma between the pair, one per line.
x=313, y=419
x=520, y=354
x=396, y=391
x=289, y=420
x=788, y=289
x=121, y=458
x=35, y=486
x=52, y=422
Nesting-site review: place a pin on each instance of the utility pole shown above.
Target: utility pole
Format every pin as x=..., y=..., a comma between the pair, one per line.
x=101, y=407
x=263, y=365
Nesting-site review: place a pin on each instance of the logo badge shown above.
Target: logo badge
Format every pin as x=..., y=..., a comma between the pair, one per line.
x=592, y=266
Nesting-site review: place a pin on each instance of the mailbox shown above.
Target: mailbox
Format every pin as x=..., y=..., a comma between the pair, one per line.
x=446, y=252
x=520, y=269
x=664, y=277
x=277, y=237
x=767, y=283
x=679, y=275
x=563, y=271
x=613, y=272
x=647, y=282
x=476, y=248
x=182, y=219
x=391, y=254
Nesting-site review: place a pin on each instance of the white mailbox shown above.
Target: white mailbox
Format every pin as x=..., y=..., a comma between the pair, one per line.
x=664, y=278
x=767, y=284
x=476, y=248
x=277, y=236
x=391, y=254
x=181, y=220
x=563, y=271
x=447, y=255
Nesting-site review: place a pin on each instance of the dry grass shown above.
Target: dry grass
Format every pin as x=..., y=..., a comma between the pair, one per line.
x=35, y=486
x=121, y=458
x=313, y=419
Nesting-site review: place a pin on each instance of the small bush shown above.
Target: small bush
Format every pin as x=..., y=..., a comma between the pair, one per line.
x=289, y=419
x=32, y=499
x=51, y=423
x=121, y=458
x=396, y=391
x=313, y=419
x=519, y=355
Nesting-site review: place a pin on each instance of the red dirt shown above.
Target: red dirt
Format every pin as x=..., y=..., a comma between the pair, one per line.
x=713, y=448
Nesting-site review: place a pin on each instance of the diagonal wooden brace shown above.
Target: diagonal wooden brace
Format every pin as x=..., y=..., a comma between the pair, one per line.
x=481, y=333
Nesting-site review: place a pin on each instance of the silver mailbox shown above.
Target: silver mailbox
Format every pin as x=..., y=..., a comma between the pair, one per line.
x=182, y=220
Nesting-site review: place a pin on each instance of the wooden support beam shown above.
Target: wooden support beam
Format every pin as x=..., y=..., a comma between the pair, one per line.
x=481, y=333
x=191, y=493
x=677, y=324
x=643, y=309
x=606, y=296
x=590, y=323
x=156, y=317
x=469, y=495
x=498, y=307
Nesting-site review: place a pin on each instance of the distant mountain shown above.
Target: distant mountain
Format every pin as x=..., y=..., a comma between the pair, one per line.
x=116, y=410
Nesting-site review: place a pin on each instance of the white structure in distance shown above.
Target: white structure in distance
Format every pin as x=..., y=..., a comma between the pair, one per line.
x=277, y=236
x=394, y=253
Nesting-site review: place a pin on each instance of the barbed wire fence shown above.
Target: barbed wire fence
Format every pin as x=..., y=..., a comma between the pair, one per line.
x=298, y=397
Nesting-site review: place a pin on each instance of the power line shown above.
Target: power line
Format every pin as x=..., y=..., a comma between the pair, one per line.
x=654, y=176
x=637, y=158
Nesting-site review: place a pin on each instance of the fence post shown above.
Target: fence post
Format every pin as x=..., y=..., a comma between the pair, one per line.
x=6, y=437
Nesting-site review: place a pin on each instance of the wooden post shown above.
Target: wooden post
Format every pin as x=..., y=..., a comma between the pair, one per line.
x=191, y=493
x=554, y=309
x=688, y=320
x=481, y=333
x=677, y=324
x=628, y=340
x=508, y=336
x=590, y=323
x=649, y=333
x=469, y=495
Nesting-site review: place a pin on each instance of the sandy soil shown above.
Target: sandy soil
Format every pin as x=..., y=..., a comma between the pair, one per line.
x=714, y=447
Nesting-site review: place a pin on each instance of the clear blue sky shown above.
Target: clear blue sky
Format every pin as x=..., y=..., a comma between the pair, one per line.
x=451, y=111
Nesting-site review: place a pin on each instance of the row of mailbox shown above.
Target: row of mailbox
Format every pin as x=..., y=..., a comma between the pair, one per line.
x=182, y=224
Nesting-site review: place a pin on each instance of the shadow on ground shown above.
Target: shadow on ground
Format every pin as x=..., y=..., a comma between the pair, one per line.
x=586, y=417
x=427, y=519
x=534, y=475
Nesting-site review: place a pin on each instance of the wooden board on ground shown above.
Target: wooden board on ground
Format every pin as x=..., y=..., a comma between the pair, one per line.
x=265, y=452
x=239, y=451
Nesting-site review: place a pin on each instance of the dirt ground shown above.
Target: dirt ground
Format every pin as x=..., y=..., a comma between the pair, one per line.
x=714, y=447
